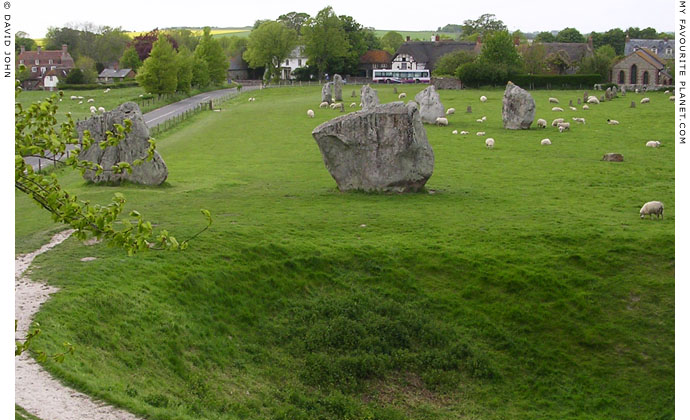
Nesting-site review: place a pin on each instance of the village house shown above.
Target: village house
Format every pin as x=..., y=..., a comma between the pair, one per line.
x=374, y=59
x=295, y=60
x=663, y=48
x=39, y=63
x=641, y=69
x=425, y=54
x=113, y=75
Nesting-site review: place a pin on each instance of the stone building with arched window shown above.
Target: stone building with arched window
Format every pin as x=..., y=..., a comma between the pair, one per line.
x=641, y=69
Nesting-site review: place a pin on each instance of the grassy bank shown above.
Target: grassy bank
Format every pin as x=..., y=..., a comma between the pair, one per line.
x=526, y=286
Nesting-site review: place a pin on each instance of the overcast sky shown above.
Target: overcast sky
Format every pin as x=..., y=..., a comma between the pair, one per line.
x=34, y=17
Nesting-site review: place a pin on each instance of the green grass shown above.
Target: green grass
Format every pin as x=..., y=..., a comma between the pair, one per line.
x=21, y=414
x=525, y=287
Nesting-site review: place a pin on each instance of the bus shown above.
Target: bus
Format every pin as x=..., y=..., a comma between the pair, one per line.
x=401, y=76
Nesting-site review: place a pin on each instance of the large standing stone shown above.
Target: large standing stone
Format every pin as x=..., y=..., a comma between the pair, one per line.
x=613, y=157
x=368, y=97
x=608, y=94
x=326, y=92
x=430, y=106
x=134, y=146
x=383, y=148
x=519, y=108
x=338, y=87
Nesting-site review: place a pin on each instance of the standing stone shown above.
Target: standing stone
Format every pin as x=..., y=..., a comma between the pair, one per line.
x=585, y=97
x=570, y=103
x=383, y=148
x=430, y=106
x=623, y=90
x=632, y=104
x=469, y=109
x=579, y=101
x=326, y=92
x=395, y=90
x=134, y=146
x=338, y=87
x=519, y=108
x=354, y=94
x=613, y=157
x=614, y=91
x=602, y=98
x=368, y=97
x=609, y=94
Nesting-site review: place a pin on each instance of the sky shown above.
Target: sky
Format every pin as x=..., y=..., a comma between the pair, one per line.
x=528, y=16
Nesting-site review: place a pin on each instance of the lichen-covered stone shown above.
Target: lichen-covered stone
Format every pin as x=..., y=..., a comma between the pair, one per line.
x=383, y=148
x=368, y=97
x=613, y=157
x=430, y=106
x=519, y=108
x=134, y=146
x=338, y=87
x=326, y=92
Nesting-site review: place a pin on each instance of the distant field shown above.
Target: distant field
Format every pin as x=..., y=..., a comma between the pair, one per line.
x=521, y=285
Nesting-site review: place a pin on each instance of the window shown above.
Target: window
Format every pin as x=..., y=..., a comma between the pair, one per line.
x=669, y=51
x=36, y=62
x=50, y=61
x=621, y=78
x=33, y=69
x=403, y=66
x=43, y=70
x=645, y=78
x=654, y=50
x=299, y=62
x=633, y=74
x=287, y=62
x=52, y=67
x=21, y=61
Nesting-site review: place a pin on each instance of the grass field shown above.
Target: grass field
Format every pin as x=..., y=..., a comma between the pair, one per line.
x=525, y=287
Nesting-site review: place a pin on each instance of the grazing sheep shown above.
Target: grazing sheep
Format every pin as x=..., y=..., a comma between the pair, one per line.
x=563, y=126
x=482, y=98
x=93, y=109
x=450, y=111
x=464, y=133
x=80, y=97
x=580, y=120
x=101, y=109
x=653, y=143
x=480, y=120
x=557, y=121
x=572, y=108
x=489, y=143
x=612, y=122
x=338, y=105
x=593, y=100
x=672, y=98
x=541, y=123
x=557, y=108
x=323, y=104
x=652, y=207
x=667, y=92
x=352, y=105
x=553, y=101
x=310, y=113
x=81, y=102
x=90, y=100
x=481, y=133
x=585, y=107
x=402, y=95
x=484, y=118
x=107, y=90
x=637, y=90
x=455, y=131
x=545, y=142
x=644, y=101
x=73, y=97
x=441, y=121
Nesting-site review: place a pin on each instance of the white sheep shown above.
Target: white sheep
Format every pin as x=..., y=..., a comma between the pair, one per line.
x=441, y=121
x=580, y=120
x=361, y=105
x=402, y=95
x=593, y=100
x=563, y=126
x=481, y=133
x=557, y=108
x=101, y=109
x=672, y=98
x=653, y=143
x=310, y=113
x=450, y=111
x=555, y=122
x=81, y=102
x=644, y=101
x=464, y=133
x=612, y=122
x=572, y=108
x=545, y=142
x=652, y=207
x=90, y=100
x=352, y=105
x=585, y=107
x=339, y=106
x=107, y=90
x=667, y=92
x=489, y=143
x=553, y=100
x=80, y=97
x=484, y=118
x=541, y=123
x=483, y=98
x=455, y=131
x=480, y=120
x=93, y=109
x=637, y=90
x=73, y=97
x=323, y=104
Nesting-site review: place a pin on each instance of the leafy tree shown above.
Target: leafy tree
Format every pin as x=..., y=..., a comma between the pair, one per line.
x=21, y=39
x=75, y=77
x=200, y=77
x=545, y=37
x=130, y=59
x=533, y=57
x=570, y=35
x=615, y=38
x=391, y=41
x=211, y=52
x=185, y=72
x=453, y=28
x=558, y=61
x=87, y=65
x=184, y=37
x=325, y=41
x=499, y=50
x=37, y=134
x=294, y=21
x=56, y=37
x=484, y=25
x=600, y=63
x=360, y=40
x=144, y=43
x=158, y=74
x=258, y=23
x=23, y=73
x=269, y=45
x=449, y=63
x=109, y=45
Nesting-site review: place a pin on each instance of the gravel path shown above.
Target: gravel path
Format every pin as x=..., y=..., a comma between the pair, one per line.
x=35, y=390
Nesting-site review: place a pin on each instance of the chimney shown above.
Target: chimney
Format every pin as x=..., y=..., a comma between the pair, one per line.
x=64, y=52
x=408, y=38
x=21, y=47
x=627, y=38
x=437, y=38
x=665, y=39
x=38, y=49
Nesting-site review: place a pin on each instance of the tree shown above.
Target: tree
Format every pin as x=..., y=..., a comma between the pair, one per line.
x=559, y=61
x=200, y=77
x=87, y=65
x=184, y=37
x=75, y=77
x=545, y=37
x=21, y=39
x=144, y=43
x=499, y=50
x=453, y=28
x=570, y=35
x=325, y=40
x=185, y=72
x=533, y=57
x=391, y=41
x=56, y=37
x=294, y=21
x=449, y=63
x=615, y=38
x=109, y=45
x=158, y=74
x=600, y=63
x=269, y=45
x=130, y=59
x=360, y=40
x=37, y=134
x=211, y=52
x=484, y=25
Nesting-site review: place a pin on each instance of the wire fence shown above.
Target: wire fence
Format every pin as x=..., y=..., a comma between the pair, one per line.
x=214, y=104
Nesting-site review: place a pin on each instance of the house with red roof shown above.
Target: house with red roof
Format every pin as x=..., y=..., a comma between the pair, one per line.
x=374, y=59
x=40, y=63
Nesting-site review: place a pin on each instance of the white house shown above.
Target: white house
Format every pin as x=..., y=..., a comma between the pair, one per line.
x=50, y=80
x=295, y=60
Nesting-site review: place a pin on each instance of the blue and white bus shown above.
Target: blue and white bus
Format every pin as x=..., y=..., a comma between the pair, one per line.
x=401, y=76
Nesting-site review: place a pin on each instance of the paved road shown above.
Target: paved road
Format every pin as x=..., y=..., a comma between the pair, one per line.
x=163, y=114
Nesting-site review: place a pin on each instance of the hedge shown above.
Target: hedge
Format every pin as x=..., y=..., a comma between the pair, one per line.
x=557, y=81
x=90, y=86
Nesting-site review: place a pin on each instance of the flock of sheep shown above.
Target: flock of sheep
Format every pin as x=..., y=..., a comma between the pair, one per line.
x=92, y=108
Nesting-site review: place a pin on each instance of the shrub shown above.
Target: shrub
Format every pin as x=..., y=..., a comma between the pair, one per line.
x=556, y=81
